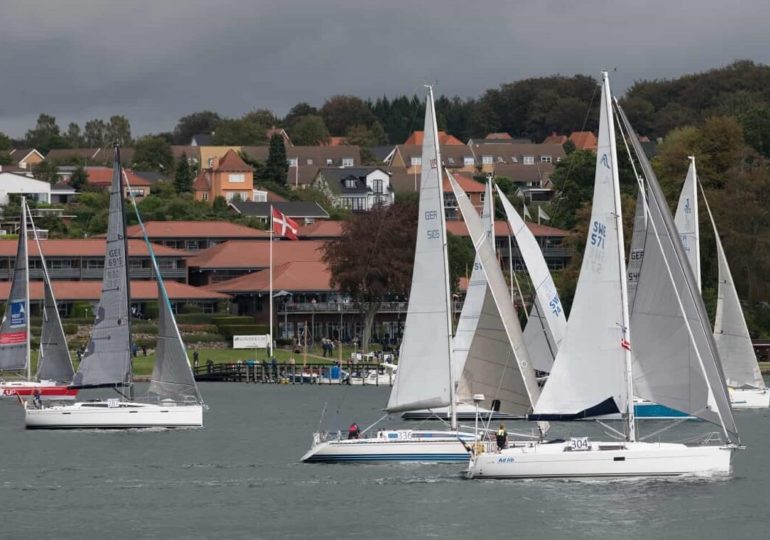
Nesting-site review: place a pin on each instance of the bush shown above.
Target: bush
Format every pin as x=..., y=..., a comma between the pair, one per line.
x=195, y=318
x=82, y=310
x=151, y=310
x=144, y=328
x=203, y=338
x=191, y=308
x=231, y=319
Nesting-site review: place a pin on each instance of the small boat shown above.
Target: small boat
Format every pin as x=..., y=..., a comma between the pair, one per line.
x=594, y=373
x=172, y=398
x=54, y=365
x=375, y=377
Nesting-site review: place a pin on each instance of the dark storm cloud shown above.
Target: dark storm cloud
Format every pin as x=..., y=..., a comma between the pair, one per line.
x=155, y=61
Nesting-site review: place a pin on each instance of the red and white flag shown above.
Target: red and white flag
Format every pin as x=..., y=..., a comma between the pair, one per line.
x=625, y=344
x=284, y=226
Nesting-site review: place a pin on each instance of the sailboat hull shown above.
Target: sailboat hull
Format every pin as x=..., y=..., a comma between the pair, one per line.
x=46, y=389
x=749, y=398
x=560, y=459
x=397, y=445
x=112, y=415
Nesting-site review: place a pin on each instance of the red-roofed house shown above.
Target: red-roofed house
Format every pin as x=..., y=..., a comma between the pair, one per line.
x=195, y=235
x=101, y=177
x=443, y=138
x=227, y=177
x=584, y=140
x=475, y=191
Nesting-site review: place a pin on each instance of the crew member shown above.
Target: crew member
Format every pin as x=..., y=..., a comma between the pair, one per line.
x=353, y=431
x=502, y=437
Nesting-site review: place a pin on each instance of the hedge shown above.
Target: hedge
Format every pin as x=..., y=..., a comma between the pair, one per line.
x=228, y=331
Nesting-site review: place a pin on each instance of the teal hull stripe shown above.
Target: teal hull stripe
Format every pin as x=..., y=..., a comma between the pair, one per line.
x=391, y=457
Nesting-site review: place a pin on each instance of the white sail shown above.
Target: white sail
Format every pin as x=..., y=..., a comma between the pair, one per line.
x=676, y=360
x=423, y=379
x=14, y=328
x=501, y=368
x=636, y=255
x=589, y=373
x=547, y=322
x=474, y=298
x=739, y=362
x=686, y=221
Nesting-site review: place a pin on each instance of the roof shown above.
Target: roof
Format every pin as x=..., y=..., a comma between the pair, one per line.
x=402, y=181
x=202, y=139
x=231, y=161
x=202, y=182
x=254, y=254
x=291, y=276
x=506, y=152
x=466, y=182
x=9, y=179
x=335, y=177
x=102, y=176
x=20, y=154
x=518, y=172
x=584, y=140
x=100, y=156
x=451, y=155
x=443, y=138
x=317, y=154
x=91, y=290
x=293, y=209
x=323, y=229
x=195, y=229
x=553, y=138
x=91, y=247
x=458, y=228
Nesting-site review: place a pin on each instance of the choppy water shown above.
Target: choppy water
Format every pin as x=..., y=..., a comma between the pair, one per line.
x=240, y=477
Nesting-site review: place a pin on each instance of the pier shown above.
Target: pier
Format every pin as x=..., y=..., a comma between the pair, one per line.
x=360, y=374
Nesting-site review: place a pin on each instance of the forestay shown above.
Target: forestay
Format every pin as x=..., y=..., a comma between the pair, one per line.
x=547, y=323
x=54, y=362
x=474, y=300
x=14, y=329
x=686, y=221
x=589, y=373
x=499, y=367
x=676, y=362
x=423, y=379
x=107, y=358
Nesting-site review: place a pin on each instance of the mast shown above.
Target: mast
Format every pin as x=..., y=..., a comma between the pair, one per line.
x=270, y=345
x=625, y=324
x=448, y=290
x=130, y=380
x=23, y=238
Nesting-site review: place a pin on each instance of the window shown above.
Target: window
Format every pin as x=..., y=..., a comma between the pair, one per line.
x=259, y=196
x=347, y=162
x=59, y=264
x=237, y=178
x=135, y=192
x=468, y=161
x=95, y=264
x=546, y=159
x=487, y=160
x=293, y=162
x=514, y=159
x=377, y=185
x=529, y=160
x=450, y=160
x=350, y=183
x=415, y=161
x=329, y=161
x=309, y=161
x=449, y=200
x=205, y=196
x=482, y=195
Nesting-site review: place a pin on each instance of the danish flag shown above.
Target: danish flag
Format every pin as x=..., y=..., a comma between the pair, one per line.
x=284, y=226
x=625, y=344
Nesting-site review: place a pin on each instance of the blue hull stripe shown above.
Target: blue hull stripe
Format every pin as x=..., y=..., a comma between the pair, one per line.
x=390, y=457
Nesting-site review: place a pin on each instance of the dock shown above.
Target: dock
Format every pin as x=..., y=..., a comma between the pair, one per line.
x=361, y=374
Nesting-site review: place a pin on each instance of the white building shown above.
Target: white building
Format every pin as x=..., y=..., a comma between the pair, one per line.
x=355, y=188
x=18, y=184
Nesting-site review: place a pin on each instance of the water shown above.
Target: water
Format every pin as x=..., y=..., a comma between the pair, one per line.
x=240, y=477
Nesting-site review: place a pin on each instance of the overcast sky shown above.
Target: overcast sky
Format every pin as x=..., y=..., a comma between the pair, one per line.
x=156, y=61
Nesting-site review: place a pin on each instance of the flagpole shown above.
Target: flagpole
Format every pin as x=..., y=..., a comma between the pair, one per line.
x=270, y=347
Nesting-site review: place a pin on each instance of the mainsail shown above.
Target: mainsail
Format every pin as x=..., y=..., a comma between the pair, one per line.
x=107, y=358
x=686, y=221
x=474, y=299
x=739, y=362
x=423, y=379
x=499, y=366
x=14, y=329
x=547, y=323
x=676, y=361
x=589, y=373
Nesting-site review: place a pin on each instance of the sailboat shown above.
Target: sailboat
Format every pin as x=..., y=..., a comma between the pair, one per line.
x=463, y=343
x=594, y=372
x=745, y=384
x=173, y=399
x=54, y=366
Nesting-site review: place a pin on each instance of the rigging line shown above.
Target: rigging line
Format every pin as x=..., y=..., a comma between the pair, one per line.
x=612, y=430
x=664, y=428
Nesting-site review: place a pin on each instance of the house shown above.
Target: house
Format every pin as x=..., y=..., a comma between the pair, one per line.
x=18, y=184
x=229, y=177
x=25, y=158
x=533, y=182
x=62, y=193
x=83, y=259
x=409, y=156
x=583, y=140
x=194, y=235
x=444, y=139
x=70, y=295
x=488, y=156
x=101, y=177
x=89, y=156
x=310, y=156
x=498, y=138
x=300, y=211
x=355, y=188
x=409, y=182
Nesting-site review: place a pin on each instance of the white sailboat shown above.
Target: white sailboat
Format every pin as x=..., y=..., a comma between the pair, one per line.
x=739, y=362
x=593, y=373
x=173, y=399
x=54, y=366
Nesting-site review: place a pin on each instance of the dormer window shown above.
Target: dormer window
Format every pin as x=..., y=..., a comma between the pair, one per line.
x=487, y=160
x=329, y=161
x=415, y=161
x=529, y=160
x=309, y=162
x=468, y=161
x=350, y=183
x=292, y=162
x=500, y=159
x=347, y=162
x=546, y=159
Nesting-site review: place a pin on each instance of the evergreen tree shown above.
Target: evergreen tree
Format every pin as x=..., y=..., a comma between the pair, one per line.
x=79, y=178
x=276, y=167
x=183, y=178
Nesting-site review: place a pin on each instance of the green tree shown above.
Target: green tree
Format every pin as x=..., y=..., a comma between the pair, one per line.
x=193, y=124
x=298, y=112
x=153, y=154
x=95, y=133
x=309, y=131
x=46, y=171
x=45, y=135
x=276, y=168
x=461, y=256
x=73, y=137
x=5, y=141
x=366, y=137
x=373, y=258
x=79, y=178
x=119, y=131
x=239, y=132
x=341, y=112
x=183, y=179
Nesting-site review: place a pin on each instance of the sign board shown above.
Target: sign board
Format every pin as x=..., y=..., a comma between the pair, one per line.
x=18, y=315
x=251, y=342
